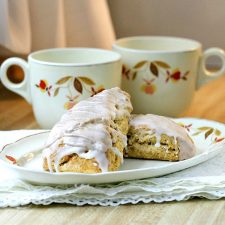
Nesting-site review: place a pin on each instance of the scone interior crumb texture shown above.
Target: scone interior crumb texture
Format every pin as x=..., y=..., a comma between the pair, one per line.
x=143, y=144
x=157, y=137
x=91, y=137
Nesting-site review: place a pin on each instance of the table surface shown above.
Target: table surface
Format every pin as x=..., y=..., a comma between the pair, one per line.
x=209, y=103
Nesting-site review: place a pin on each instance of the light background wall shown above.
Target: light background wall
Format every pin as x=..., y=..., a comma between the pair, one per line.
x=203, y=20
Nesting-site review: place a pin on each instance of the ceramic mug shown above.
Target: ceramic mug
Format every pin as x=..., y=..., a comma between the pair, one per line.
x=56, y=79
x=162, y=73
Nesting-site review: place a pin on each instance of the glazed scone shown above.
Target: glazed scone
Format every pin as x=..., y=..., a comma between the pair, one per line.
x=91, y=137
x=157, y=137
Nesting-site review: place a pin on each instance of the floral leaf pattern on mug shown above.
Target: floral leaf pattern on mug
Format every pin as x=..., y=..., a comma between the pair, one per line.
x=148, y=87
x=97, y=90
x=87, y=80
x=162, y=64
x=176, y=75
x=155, y=69
x=134, y=75
x=56, y=92
x=44, y=87
x=140, y=64
x=63, y=80
x=79, y=84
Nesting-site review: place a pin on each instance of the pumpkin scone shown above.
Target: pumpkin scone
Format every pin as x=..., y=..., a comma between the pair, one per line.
x=157, y=137
x=91, y=137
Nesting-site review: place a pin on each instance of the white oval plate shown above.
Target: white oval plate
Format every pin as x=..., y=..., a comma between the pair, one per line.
x=207, y=135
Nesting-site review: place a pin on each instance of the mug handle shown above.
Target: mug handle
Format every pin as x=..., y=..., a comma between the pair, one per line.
x=205, y=75
x=23, y=87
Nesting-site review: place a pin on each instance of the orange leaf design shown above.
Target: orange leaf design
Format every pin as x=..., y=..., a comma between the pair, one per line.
x=63, y=80
x=204, y=128
x=69, y=105
x=186, y=73
x=196, y=133
x=140, y=64
x=56, y=92
x=219, y=139
x=87, y=80
x=134, y=75
x=154, y=69
x=217, y=132
x=209, y=132
x=77, y=85
x=10, y=158
x=162, y=64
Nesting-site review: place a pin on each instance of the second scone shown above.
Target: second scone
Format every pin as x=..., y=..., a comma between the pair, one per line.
x=157, y=137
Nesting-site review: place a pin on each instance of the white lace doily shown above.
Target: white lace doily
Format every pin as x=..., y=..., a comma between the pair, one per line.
x=205, y=180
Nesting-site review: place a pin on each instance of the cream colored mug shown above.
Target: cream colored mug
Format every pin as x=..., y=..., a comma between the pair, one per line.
x=56, y=79
x=162, y=73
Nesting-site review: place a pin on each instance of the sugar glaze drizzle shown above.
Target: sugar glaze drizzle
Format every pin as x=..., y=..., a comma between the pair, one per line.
x=86, y=129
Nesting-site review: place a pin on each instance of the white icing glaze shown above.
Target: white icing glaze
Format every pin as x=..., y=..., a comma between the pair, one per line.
x=86, y=129
x=101, y=107
x=159, y=125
